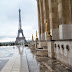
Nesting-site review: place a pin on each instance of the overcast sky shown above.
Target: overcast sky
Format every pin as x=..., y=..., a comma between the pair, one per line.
x=9, y=23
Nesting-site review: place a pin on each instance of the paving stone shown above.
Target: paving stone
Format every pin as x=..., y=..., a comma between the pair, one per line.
x=27, y=61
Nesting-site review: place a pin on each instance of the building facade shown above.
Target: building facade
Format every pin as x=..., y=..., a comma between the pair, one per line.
x=58, y=15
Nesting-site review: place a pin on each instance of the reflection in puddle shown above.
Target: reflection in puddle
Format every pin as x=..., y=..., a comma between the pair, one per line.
x=21, y=50
x=33, y=64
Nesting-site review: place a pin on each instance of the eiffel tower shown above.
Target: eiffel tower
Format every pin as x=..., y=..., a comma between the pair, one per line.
x=20, y=39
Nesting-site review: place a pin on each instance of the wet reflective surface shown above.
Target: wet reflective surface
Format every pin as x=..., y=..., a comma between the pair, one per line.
x=26, y=59
x=2, y=63
x=7, y=51
x=5, y=54
x=33, y=64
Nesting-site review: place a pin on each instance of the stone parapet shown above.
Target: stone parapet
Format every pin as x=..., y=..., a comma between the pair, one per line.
x=63, y=51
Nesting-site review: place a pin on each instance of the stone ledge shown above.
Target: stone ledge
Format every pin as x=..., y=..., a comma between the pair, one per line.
x=56, y=40
x=41, y=49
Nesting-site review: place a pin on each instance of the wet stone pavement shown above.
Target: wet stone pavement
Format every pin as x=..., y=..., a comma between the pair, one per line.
x=47, y=64
x=2, y=63
x=54, y=65
x=5, y=54
x=35, y=66
x=22, y=59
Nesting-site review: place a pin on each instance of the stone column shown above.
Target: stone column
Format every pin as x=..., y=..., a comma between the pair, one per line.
x=64, y=10
x=39, y=21
x=71, y=10
x=53, y=16
x=53, y=11
x=42, y=20
x=50, y=14
x=46, y=16
x=60, y=11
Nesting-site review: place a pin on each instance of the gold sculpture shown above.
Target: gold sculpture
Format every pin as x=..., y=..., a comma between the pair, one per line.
x=36, y=35
x=46, y=26
x=32, y=37
x=48, y=31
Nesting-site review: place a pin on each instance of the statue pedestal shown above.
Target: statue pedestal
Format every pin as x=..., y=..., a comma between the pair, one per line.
x=50, y=45
x=49, y=37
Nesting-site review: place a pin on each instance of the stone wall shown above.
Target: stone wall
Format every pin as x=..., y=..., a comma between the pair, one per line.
x=65, y=31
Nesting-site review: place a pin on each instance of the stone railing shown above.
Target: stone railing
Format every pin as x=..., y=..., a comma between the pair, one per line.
x=63, y=51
